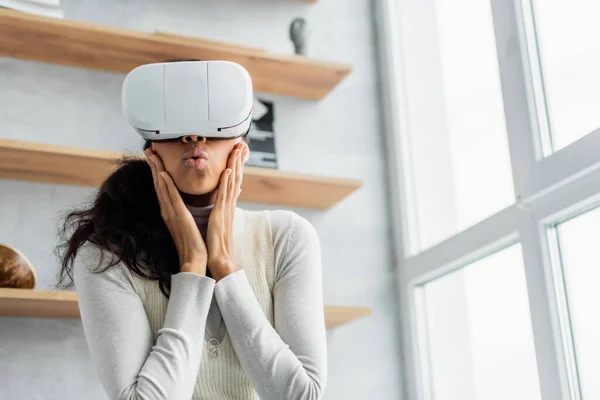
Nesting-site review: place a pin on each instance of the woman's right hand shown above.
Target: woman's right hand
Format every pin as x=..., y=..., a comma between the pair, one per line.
x=186, y=235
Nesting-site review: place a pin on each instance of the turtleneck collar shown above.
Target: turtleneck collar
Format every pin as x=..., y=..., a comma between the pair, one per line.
x=200, y=214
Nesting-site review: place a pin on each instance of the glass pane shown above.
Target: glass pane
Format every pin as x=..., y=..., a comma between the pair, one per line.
x=579, y=250
x=568, y=36
x=458, y=168
x=479, y=334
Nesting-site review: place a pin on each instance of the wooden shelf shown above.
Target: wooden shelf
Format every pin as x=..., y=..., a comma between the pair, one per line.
x=92, y=46
x=39, y=162
x=340, y=315
x=63, y=304
x=38, y=303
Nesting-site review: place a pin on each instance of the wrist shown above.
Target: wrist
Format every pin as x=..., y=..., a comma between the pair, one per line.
x=219, y=269
x=220, y=264
x=196, y=266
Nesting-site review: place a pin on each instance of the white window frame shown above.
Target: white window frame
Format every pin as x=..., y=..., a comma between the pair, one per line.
x=548, y=190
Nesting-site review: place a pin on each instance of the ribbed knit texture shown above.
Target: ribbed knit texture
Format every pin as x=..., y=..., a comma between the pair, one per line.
x=221, y=376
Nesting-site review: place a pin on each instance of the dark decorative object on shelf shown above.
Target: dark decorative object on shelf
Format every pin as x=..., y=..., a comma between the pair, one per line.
x=261, y=138
x=16, y=271
x=298, y=35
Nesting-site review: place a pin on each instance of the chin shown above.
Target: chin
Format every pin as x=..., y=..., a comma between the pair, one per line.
x=196, y=187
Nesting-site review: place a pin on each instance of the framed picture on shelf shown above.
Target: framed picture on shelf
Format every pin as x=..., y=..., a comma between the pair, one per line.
x=261, y=138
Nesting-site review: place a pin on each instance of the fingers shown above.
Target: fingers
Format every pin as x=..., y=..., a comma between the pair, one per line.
x=236, y=164
x=231, y=181
x=163, y=195
x=231, y=185
x=148, y=153
x=160, y=184
x=231, y=160
x=157, y=160
x=222, y=191
x=174, y=196
x=240, y=172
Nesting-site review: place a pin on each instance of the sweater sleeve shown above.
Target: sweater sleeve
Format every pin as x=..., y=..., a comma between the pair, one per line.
x=120, y=341
x=289, y=360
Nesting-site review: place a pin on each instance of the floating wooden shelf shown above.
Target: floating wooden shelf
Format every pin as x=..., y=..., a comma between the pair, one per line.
x=92, y=46
x=38, y=303
x=63, y=304
x=40, y=162
x=340, y=315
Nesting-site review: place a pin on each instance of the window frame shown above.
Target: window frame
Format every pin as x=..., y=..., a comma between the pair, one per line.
x=548, y=190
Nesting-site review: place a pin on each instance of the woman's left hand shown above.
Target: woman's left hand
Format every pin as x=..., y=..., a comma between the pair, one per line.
x=219, y=236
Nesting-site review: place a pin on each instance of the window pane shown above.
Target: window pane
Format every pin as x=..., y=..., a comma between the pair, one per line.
x=568, y=37
x=479, y=334
x=579, y=251
x=459, y=167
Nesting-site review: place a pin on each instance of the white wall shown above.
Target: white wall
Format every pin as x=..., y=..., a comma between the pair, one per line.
x=338, y=136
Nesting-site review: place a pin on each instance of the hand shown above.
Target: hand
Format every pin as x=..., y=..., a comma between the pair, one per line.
x=219, y=236
x=184, y=231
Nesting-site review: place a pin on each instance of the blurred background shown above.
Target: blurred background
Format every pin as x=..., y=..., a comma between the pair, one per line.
x=447, y=153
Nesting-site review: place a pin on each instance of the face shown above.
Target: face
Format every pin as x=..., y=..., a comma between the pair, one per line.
x=199, y=175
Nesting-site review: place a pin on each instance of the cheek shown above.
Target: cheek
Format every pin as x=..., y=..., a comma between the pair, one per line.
x=222, y=161
x=220, y=155
x=169, y=156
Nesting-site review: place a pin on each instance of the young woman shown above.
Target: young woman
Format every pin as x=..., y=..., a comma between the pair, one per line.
x=184, y=295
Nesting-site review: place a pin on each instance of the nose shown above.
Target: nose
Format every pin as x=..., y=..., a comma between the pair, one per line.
x=193, y=138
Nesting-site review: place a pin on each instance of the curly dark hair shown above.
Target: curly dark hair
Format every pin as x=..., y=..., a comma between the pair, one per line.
x=123, y=219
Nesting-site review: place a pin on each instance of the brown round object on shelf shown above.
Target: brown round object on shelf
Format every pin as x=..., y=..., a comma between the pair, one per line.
x=16, y=271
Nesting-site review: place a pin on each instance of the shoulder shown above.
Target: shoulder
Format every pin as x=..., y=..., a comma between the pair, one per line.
x=291, y=223
x=282, y=221
x=296, y=243
x=289, y=229
x=94, y=264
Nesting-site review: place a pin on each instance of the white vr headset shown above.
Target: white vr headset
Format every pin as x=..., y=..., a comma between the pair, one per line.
x=165, y=101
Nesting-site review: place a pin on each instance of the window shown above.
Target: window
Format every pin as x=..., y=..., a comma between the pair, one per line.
x=492, y=122
x=566, y=51
x=458, y=160
x=479, y=331
x=577, y=262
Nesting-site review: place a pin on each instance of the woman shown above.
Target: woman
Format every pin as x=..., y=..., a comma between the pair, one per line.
x=184, y=295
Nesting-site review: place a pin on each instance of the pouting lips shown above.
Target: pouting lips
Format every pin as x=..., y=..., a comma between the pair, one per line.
x=195, y=153
x=196, y=162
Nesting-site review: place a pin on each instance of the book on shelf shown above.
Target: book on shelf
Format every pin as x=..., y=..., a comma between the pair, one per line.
x=47, y=8
x=261, y=138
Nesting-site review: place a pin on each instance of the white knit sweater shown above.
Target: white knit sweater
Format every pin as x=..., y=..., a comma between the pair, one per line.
x=267, y=319
x=221, y=376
